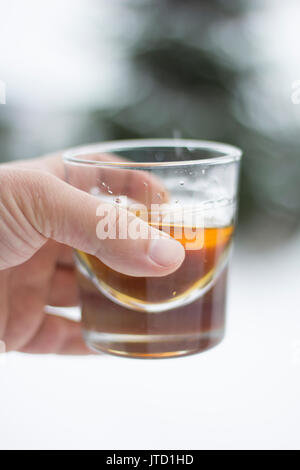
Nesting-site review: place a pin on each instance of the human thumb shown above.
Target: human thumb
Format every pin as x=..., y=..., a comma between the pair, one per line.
x=36, y=206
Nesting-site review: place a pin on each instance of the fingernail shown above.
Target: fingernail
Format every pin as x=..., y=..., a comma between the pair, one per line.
x=166, y=252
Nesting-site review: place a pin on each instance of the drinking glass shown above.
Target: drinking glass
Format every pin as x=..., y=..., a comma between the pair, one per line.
x=187, y=189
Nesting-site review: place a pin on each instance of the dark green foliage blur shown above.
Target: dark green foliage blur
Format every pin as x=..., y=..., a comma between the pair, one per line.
x=187, y=81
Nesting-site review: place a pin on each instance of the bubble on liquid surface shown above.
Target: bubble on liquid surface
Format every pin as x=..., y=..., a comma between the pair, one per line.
x=181, y=183
x=118, y=200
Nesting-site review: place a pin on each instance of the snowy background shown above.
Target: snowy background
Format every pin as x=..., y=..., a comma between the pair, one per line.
x=85, y=70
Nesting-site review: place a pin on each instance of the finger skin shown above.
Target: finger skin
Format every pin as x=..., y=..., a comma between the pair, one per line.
x=52, y=163
x=141, y=186
x=57, y=335
x=65, y=257
x=64, y=289
x=26, y=290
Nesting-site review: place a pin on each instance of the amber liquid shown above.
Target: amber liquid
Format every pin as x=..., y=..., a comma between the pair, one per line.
x=125, y=327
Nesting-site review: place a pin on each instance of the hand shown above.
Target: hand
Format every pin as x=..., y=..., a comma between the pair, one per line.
x=42, y=218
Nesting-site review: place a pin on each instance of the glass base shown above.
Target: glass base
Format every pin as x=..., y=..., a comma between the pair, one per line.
x=152, y=346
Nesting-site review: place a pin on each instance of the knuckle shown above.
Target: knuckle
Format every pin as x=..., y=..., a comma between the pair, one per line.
x=31, y=191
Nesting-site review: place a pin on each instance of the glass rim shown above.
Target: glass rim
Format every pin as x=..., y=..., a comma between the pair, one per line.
x=228, y=153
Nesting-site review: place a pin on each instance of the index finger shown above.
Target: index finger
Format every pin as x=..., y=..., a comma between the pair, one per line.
x=139, y=185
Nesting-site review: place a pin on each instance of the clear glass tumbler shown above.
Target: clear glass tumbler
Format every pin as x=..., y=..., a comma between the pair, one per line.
x=187, y=189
